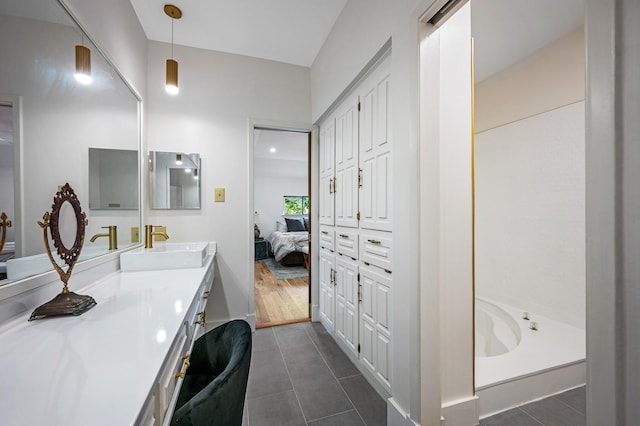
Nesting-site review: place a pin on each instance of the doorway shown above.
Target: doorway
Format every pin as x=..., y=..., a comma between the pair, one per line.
x=282, y=226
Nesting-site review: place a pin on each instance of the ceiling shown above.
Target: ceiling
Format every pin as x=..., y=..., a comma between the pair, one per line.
x=293, y=31
x=290, y=146
x=506, y=31
x=290, y=31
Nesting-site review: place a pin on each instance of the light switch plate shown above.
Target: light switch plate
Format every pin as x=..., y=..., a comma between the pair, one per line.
x=135, y=234
x=219, y=195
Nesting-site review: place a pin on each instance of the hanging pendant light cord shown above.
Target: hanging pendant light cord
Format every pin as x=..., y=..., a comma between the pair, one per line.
x=172, y=38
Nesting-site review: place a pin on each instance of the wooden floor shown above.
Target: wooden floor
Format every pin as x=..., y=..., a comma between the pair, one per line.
x=279, y=301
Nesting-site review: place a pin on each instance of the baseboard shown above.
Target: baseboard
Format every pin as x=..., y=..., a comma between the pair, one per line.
x=463, y=412
x=396, y=416
x=315, y=312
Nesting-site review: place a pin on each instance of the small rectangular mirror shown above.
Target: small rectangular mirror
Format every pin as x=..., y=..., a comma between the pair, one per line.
x=113, y=179
x=174, y=180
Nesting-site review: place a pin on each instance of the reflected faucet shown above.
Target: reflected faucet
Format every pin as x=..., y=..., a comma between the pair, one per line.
x=112, y=234
x=149, y=233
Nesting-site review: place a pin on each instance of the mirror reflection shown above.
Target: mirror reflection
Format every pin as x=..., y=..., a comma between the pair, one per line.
x=48, y=121
x=113, y=179
x=174, y=180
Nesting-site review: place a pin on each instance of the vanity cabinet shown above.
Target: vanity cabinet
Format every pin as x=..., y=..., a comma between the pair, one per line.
x=116, y=364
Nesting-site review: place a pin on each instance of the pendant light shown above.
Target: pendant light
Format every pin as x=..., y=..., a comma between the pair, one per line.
x=179, y=159
x=83, y=64
x=172, y=66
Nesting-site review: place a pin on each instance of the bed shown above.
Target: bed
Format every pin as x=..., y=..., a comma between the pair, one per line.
x=290, y=242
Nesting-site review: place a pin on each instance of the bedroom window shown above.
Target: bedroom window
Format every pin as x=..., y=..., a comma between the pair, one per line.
x=298, y=204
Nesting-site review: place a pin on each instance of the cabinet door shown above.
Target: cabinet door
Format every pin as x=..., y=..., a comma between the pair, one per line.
x=375, y=150
x=327, y=288
x=375, y=322
x=327, y=172
x=346, y=155
x=347, y=302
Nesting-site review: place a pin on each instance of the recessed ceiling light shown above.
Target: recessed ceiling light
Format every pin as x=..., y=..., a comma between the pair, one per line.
x=272, y=150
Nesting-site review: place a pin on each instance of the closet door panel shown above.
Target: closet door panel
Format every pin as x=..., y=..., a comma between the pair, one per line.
x=347, y=301
x=325, y=277
x=347, y=164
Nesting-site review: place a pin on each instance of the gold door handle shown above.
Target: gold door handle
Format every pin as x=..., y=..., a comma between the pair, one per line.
x=377, y=242
x=205, y=295
x=344, y=236
x=359, y=178
x=185, y=367
x=331, y=186
x=202, y=316
x=325, y=232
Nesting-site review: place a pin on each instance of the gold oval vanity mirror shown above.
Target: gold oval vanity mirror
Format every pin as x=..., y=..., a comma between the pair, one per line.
x=65, y=211
x=67, y=225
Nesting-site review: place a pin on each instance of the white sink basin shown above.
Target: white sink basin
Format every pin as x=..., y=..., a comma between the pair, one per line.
x=165, y=256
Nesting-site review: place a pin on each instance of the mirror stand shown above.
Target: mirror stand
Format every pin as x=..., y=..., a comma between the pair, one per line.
x=65, y=303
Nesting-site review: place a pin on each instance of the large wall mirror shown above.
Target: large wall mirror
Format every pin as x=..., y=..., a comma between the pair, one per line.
x=174, y=180
x=48, y=124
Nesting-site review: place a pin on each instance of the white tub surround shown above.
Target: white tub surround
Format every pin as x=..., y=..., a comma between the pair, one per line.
x=114, y=365
x=544, y=362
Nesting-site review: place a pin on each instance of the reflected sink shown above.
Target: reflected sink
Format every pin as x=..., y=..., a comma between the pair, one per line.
x=165, y=256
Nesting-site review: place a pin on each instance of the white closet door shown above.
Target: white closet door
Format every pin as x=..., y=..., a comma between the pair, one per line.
x=346, y=154
x=375, y=322
x=326, y=274
x=375, y=150
x=347, y=302
x=327, y=172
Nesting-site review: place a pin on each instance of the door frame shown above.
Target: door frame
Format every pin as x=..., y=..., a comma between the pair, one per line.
x=252, y=125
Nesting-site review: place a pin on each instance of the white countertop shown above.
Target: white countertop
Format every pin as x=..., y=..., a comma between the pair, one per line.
x=97, y=368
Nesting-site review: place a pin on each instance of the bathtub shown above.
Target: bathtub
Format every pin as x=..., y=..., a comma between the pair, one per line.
x=515, y=365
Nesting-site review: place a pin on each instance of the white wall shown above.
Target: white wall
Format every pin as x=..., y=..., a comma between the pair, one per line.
x=268, y=199
x=549, y=78
x=530, y=222
x=219, y=92
x=359, y=33
x=530, y=183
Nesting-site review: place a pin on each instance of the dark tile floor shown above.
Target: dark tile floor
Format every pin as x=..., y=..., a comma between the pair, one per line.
x=565, y=409
x=299, y=376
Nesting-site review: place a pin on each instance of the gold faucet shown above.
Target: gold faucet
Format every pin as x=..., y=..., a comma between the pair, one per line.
x=112, y=234
x=149, y=233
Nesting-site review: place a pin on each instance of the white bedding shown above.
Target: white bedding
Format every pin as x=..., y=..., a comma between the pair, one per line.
x=283, y=243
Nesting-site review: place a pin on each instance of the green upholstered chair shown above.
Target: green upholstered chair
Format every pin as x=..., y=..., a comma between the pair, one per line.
x=214, y=387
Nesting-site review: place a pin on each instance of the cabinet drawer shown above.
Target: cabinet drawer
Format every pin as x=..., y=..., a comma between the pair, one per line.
x=327, y=238
x=376, y=249
x=168, y=380
x=347, y=242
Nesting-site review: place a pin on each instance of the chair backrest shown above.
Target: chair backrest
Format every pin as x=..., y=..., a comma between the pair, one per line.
x=213, y=391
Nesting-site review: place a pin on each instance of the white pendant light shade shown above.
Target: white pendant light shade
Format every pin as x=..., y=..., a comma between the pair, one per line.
x=172, y=77
x=83, y=65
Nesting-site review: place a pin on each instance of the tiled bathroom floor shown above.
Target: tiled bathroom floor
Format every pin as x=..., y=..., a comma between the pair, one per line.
x=565, y=409
x=299, y=376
